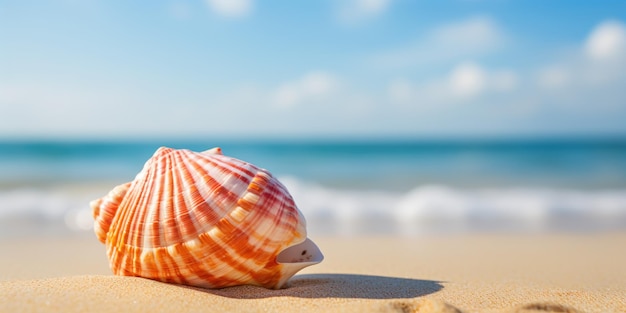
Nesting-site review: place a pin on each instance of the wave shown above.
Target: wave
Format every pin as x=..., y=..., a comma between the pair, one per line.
x=332, y=211
x=438, y=208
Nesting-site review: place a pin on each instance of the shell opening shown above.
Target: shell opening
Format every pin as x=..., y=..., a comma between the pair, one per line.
x=297, y=257
x=304, y=252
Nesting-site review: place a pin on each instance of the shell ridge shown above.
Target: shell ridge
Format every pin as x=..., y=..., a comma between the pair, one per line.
x=190, y=259
x=165, y=263
x=231, y=266
x=191, y=268
x=218, y=264
x=105, y=209
x=114, y=236
x=233, y=196
x=130, y=200
x=228, y=177
x=224, y=164
x=171, y=231
x=211, y=192
x=178, y=270
x=184, y=189
x=138, y=219
x=215, y=265
x=239, y=238
x=201, y=209
x=284, y=205
x=263, y=249
x=288, y=222
x=132, y=232
x=151, y=234
x=153, y=227
x=204, y=261
x=168, y=230
x=149, y=229
x=266, y=206
x=257, y=186
x=244, y=168
x=206, y=230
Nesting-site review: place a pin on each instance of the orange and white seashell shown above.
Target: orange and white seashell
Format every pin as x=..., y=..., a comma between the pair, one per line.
x=204, y=219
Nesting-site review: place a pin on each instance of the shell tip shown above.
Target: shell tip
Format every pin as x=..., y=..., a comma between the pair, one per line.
x=216, y=150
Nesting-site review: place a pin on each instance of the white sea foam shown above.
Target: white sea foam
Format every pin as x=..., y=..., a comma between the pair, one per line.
x=26, y=211
x=433, y=208
x=424, y=209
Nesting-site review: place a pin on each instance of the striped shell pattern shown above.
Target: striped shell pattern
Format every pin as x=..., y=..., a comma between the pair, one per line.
x=204, y=219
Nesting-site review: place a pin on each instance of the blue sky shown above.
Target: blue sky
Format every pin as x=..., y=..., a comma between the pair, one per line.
x=342, y=68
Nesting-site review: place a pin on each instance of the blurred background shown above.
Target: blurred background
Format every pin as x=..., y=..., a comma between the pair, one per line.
x=380, y=116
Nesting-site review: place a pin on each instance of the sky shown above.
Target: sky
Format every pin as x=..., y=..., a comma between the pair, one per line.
x=320, y=69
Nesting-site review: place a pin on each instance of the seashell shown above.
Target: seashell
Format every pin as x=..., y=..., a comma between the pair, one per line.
x=204, y=219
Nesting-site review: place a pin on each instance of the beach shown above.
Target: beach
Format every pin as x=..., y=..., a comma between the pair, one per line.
x=404, y=227
x=490, y=272
x=444, y=156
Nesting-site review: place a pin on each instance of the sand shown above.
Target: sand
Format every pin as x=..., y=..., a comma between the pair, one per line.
x=447, y=273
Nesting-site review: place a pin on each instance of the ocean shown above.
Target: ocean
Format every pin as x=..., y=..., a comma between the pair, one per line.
x=348, y=187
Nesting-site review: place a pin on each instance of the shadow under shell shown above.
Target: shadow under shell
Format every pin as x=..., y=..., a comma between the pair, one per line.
x=336, y=286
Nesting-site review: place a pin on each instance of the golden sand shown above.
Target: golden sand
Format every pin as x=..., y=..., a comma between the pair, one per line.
x=452, y=273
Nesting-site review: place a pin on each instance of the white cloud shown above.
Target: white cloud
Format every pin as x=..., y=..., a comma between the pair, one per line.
x=607, y=40
x=313, y=85
x=594, y=72
x=231, y=8
x=467, y=80
x=590, y=78
x=451, y=42
x=355, y=11
x=576, y=84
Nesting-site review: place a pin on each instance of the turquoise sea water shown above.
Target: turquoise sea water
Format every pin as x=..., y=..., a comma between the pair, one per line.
x=350, y=187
